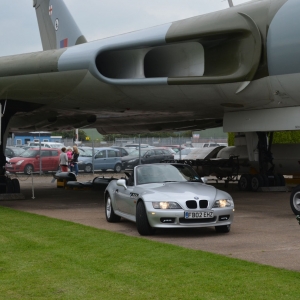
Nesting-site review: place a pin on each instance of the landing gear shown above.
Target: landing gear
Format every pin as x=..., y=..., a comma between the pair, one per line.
x=266, y=176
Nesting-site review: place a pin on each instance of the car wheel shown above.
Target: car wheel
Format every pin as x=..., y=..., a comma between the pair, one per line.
x=28, y=169
x=142, y=223
x=118, y=168
x=88, y=168
x=222, y=229
x=109, y=211
x=244, y=182
x=16, y=185
x=295, y=200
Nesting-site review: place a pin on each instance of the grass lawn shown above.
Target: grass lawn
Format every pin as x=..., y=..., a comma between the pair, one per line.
x=44, y=258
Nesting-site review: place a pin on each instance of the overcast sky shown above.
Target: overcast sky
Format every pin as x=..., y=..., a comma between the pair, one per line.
x=97, y=18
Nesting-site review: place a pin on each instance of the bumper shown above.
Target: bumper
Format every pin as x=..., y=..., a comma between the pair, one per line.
x=174, y=218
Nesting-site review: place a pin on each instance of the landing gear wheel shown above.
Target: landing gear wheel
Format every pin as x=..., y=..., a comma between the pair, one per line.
x=256, y=182
x=244, y=182
x=266, y=180
x=88, y=168
x=295, y=200
x=118, y=168
x=281, y=179
x=142, y=222
x=28, y=169
x=16, y=185
x=222, y=229
x=110, y=215
x=9, y=186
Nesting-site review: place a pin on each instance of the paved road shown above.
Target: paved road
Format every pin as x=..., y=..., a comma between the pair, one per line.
x=264, y=230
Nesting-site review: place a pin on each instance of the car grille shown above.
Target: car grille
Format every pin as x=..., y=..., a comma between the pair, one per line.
x=193, y=204
x=192, y=221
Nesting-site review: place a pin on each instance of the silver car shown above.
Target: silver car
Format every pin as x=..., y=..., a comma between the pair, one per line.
x=167, y=196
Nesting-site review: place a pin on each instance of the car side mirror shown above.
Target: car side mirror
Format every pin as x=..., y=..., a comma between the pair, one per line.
x=122, y=182
x=204, y=179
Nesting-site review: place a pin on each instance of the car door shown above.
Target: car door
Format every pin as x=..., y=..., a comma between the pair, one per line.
x=46, y=160
x=159, y=155
x=149, y=157
x=113, y=157
x=54, y=160
x=125, y=199
x=100, y=160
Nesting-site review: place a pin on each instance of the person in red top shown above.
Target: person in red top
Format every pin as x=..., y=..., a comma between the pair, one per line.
x=69, y=154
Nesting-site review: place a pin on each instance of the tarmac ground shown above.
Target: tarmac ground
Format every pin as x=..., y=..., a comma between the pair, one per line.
x=264, y=229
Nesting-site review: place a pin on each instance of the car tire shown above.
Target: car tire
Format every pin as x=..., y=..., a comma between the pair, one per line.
x=295, y=200
x=28, y=169
x=88, y=168
x=110, y=215
x=16, y=185
x=142, y=223
x=118, y=168
x=223, y=228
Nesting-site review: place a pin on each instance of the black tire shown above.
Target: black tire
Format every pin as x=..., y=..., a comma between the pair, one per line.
x=28, y=169
x=256, y=182
x=295, y=200
x=118, y=168
x=245, y=182
x=142, y=223
x=16, y=185
x=110, y=215
x=223, y=228
x=88, y=168
x=9, y=186
x=266, y=181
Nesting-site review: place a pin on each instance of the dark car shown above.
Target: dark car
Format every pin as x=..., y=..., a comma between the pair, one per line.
x=148, y=156
x=123, y=151
x=13, y=151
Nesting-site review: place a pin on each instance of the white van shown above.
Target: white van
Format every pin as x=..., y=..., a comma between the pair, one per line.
x=46, y=144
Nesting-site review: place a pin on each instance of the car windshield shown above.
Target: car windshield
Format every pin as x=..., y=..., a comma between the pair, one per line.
x=85, y=152
x=165, y=173
x=18, y=151
x=30, y=153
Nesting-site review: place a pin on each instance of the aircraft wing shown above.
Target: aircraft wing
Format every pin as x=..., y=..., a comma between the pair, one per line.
x=177, y=76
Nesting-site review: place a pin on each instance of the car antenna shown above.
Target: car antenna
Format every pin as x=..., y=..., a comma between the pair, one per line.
x=230, y=3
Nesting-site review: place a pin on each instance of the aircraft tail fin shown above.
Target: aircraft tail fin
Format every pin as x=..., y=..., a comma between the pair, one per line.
x=57, y=26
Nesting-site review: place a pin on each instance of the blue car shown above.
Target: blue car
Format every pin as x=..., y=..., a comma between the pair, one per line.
x=104, y=159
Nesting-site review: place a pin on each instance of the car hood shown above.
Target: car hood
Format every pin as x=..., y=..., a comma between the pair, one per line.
x=179, y=190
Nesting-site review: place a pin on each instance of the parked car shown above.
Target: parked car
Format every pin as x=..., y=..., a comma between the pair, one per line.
x=183, y=153
x=13, y=151
x=104, y=159
x=29, y=161
x=175, y=148
x=123, y=151
x=46, y=144
x=148, y=156
x=167, y=196
x=137, y=146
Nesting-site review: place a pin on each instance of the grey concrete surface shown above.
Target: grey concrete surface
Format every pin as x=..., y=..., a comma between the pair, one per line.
x=264, y=229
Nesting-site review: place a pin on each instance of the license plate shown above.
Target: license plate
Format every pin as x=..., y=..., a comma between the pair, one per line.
x=198, y=214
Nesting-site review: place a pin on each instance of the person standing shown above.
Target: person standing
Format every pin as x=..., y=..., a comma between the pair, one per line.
x=69, y=154
x=63, y=160
x=74, y=162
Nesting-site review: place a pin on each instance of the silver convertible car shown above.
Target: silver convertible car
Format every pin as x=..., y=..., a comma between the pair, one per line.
x=167, y=196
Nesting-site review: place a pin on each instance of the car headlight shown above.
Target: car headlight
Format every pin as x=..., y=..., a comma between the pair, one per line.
x=223, y=203
x=19, y=162
x=131, y=161
x=166, y=205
